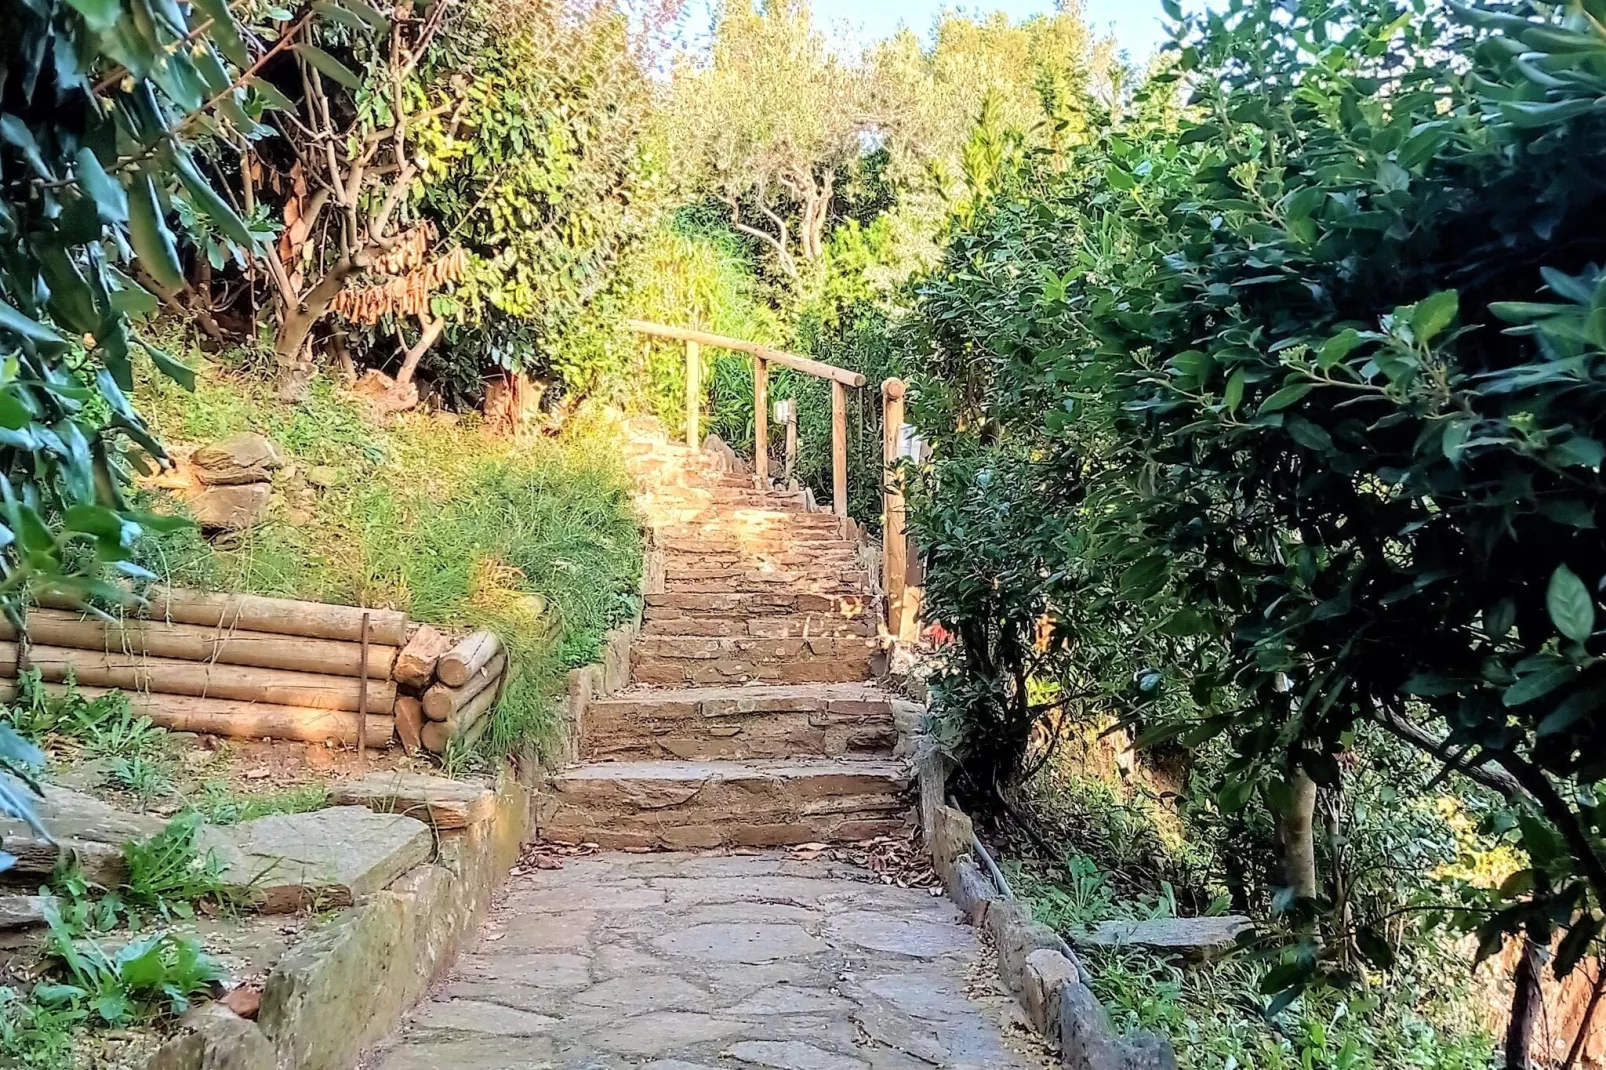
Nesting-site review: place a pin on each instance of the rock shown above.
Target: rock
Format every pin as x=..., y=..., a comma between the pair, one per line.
x=1083, y=1032
x=83, y=826
x=325, y=858
x=246, y=457
x=437, y=801
x=383, y=395
x=85, y=775
x=736, y=942
x=1191, y=938
x=884, y=1025
x=324, y=476
x=482, y=1016
x=1046, y=972
x=1142, y=1050
x=953, y=837
x=232, y=508
x=971, y=892
x=23, y=911
x=898, y=934
x=728, y=461
x=217, y=1039
x=344, y=987
x=243, y=1001
x=1017, y=940
x=662, y=1032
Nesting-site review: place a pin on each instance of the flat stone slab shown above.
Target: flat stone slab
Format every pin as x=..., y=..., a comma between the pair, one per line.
x=81, y=824
x=23, y=911
x=324, y=858
x=1190, y=937
x=434, y=800
x=679, y=962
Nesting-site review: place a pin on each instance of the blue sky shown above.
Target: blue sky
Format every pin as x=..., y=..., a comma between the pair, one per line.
x=1135, y=23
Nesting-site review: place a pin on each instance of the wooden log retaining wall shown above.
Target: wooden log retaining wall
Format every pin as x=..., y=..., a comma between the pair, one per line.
x=253, y=667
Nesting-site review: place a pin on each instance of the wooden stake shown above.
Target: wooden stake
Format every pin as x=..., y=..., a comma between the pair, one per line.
x=362, y=696
x=894, y=544
x=791, y=446
x=839, y=448
x=440, y=701
x=761, y=421
x=249, y=612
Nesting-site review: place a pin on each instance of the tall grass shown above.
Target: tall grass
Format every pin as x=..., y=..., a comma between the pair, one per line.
x=429, y=515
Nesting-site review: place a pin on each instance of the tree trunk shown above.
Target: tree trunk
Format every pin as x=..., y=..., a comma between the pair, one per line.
x=431, y=331
x=289, y=345
x=1526, y=1000
x=1299, y=838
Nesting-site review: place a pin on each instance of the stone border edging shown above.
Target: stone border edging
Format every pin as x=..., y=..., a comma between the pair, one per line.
x=1034, y=961
x=349, y=984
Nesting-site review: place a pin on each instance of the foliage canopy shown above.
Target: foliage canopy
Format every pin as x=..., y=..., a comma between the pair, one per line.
x=1281, y=414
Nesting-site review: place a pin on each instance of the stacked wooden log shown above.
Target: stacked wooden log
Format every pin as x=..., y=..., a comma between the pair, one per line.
x=453, y=687
x=254, y=667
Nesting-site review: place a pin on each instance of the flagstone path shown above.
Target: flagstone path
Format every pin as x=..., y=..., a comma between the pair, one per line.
x=682, y=962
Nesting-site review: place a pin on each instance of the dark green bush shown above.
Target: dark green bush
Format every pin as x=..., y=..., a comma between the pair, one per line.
x=1322, y=355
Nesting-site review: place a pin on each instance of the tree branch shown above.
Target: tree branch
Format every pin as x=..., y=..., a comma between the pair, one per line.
x=1494, y=779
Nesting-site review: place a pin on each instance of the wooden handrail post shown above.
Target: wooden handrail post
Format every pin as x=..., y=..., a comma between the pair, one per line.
x=839, y=448
x=894, y=544
x=761, y=420
x=694, y=392
x=791, y=442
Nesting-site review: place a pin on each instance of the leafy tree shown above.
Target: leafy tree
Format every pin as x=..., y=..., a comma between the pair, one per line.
x=771, y=126
x=1328, y=361
x=551, y=182
x=100, y=104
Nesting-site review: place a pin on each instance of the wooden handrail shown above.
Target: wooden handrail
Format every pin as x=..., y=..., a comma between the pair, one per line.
x=773, y=356
x=763, y=357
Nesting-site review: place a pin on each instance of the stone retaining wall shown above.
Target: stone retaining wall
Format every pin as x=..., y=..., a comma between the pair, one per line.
x=348, y=984
x=1033, y=960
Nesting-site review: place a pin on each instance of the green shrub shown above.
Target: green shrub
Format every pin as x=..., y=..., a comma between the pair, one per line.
x=1296, y=394
x=152, y=975
x=168, y=873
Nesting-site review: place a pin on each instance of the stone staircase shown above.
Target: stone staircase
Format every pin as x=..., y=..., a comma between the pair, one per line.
x=752, y=718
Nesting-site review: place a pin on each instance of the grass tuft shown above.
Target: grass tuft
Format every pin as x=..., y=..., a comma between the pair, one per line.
x=430, y=515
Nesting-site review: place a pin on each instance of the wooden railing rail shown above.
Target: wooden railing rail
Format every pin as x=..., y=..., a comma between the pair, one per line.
x=763, y=356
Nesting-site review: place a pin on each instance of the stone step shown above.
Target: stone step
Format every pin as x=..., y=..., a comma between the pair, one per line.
x=669, y=495
x=666, y=605
x=706, y=723
x=675, y=660
x=742, y=523
x=782, y=537
x=713, y=581
x=716, y=542
x=833, y=555
x=770, y=626
x=701, y=805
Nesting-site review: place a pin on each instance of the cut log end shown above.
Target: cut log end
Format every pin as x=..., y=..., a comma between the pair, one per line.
x=462, y=661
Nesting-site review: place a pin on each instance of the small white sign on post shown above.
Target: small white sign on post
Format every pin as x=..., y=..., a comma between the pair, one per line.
x=910, y=445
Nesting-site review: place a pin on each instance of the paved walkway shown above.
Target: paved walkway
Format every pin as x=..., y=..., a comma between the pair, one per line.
x=677, y=962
